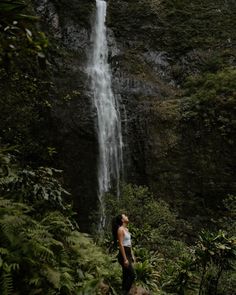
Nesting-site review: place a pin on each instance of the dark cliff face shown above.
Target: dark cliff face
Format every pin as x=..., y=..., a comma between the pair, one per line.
x=185, y=158
x=154, y=46
x=67, y=24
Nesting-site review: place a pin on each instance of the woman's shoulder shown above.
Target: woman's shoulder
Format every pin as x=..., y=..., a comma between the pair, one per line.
x=121, y=229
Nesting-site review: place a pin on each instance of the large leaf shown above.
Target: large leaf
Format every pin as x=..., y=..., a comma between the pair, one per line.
x=12, y=10
x=10, y=6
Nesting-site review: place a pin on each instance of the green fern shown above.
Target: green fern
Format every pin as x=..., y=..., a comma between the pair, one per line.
x=48, y=256
x=41, y=249
x=6, y=286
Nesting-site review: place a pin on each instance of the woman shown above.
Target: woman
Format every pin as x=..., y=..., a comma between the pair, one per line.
x=125, y=257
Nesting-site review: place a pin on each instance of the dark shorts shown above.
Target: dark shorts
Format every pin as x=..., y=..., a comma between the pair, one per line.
x=128, y=271
x=128, y=255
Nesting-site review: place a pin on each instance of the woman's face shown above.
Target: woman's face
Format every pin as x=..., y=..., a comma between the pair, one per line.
x=125, y=218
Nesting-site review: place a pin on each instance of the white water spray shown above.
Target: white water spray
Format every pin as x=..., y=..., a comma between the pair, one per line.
x=107, y=106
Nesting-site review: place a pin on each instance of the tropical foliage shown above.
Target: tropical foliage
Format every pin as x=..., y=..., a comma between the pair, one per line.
x=38, y=187
x=49, y=255
x=17, y=39
x=42, y=250
x=164, y=262
x=151, y=215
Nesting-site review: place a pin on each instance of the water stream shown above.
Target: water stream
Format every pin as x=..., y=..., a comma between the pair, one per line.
x=110, y=162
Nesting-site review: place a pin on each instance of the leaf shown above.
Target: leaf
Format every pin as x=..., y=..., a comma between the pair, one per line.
x=29, y=17
x=28, y=32
x=8, y=6
x=4, y=251
x=53, y=276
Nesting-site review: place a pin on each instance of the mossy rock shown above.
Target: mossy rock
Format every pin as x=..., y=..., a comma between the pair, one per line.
x=175, y=26
x=79, y=11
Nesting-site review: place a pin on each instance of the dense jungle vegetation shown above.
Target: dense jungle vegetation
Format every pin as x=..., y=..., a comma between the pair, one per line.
x=42, y=250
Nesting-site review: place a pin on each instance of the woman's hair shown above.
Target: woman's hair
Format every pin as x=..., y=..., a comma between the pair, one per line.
x=116, y=223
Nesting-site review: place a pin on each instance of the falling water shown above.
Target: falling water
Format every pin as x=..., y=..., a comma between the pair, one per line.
x=107, y=107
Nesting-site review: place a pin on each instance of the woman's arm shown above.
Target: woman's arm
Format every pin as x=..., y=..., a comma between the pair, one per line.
x=122, y=249
x=133, y=257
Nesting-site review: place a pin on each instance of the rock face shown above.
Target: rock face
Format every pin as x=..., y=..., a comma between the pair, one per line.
x=154, y=46
x=159, y=46
x=68, y=25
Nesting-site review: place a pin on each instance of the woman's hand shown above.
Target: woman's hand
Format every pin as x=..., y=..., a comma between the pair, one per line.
x=126, y=262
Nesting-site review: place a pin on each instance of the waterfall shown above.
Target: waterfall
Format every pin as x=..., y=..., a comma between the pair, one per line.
x=110, y=163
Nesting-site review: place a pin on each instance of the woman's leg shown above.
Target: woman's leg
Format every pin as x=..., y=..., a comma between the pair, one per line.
x=128, y=272
x=128, y=277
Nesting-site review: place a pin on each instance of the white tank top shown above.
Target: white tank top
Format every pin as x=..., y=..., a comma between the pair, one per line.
x=127, y=239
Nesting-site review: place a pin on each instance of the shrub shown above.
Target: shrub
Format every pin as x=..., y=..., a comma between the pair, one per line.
x=151, y=220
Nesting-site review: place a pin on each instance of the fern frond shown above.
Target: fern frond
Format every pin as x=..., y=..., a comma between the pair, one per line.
x=53, y=276
x=4, y=203
x=43, y=252
x=67, y=280
x=35, y=281
x=6, y=286
x=4, y=251
x=51, y=256
x=14, y=267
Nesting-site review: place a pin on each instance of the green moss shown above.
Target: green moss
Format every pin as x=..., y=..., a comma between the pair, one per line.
x=175, y=26
x=212, y=101
x=221, y=84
